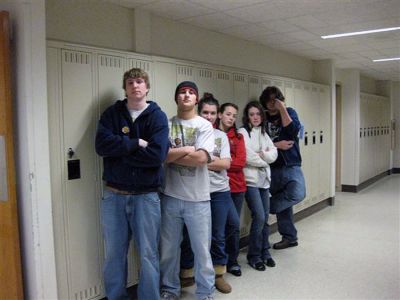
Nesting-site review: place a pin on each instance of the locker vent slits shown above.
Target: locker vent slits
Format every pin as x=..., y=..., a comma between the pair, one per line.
x=253, y=80
x=314, y=89
x=278, y=83
x=297, y=86
x=205, y=73
x=223, y=76
x=185, y=71
x=141, y=64
x=239, y=77
x=76, y=57
x=89, y=293
x=266, y=82
x=322, y=90
x=288, y=85
x=306, y=87
x=111, y=62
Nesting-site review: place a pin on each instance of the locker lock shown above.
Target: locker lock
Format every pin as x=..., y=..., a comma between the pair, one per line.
x=70, y=153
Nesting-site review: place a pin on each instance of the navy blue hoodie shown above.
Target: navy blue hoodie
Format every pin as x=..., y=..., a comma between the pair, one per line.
x=127, y=166
x=277, y=132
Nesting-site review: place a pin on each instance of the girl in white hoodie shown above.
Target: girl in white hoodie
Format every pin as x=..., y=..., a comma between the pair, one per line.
x=260, y=152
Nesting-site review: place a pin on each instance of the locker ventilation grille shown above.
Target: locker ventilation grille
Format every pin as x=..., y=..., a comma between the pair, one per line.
x=144, y=65
x=205, y=73
x=112, y=62
x=288, y=85
x=89, y=293
x=314, y=89
x=239, y=77
x=321, y=90
x=223, y=76
x=307, y=88
x=76, y=57
x=186, y=71
x=266, y=82
x=253, y=80
x=297, y=86
x=278, y=83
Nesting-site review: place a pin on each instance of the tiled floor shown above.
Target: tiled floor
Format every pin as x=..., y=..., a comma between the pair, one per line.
x=348, y=251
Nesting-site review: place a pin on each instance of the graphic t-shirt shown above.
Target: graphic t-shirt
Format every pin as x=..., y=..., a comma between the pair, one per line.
x=219, y=181
x=189, y=183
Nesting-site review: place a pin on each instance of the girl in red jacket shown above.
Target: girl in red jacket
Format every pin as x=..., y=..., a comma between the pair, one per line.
x=227, y=116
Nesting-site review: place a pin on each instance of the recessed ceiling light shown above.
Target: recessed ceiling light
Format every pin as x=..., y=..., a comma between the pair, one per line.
x=332, y=36
x=386, y=59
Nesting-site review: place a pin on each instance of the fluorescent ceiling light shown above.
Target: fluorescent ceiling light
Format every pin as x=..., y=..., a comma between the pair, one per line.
x=386, y=59
x=359, y=32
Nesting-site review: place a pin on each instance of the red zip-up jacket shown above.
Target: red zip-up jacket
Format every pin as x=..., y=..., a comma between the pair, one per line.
x=237, y=181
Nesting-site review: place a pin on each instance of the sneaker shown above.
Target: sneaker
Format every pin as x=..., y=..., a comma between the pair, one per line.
x=168, y=296
x=186, y=281
x=284, y=244
x=235, y=270
x=221, y=285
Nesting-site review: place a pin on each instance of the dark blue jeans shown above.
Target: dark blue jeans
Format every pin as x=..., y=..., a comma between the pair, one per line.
x=287, y=189
x=258, y=202
x=222, y=207
x=232, y=230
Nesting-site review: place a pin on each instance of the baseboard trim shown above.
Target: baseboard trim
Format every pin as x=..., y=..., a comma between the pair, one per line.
x=396, y=171
x=363, y=185
x=244, y=241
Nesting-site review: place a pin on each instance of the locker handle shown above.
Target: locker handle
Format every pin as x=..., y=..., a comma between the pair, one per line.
x=365, y=131
x=313, y=139
x=70, y=153
x=305, y=139
x=321, y=137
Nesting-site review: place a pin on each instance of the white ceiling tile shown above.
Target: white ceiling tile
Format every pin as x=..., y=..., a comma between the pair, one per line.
x=296, y=46
x=392, y=52
x=222, y=5
x=303, y=35
x=246, y=31
x=131, y=3
x=176, y=9
x=306, y=22
x=214, y=21
x=280, y=26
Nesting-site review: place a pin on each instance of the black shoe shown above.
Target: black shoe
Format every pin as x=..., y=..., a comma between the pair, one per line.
x=259, y=266
x=285, y=244
x=235, y=270
x=269, y=262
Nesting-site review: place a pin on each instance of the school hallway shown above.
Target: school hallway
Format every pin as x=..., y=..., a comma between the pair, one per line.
x=346, y=251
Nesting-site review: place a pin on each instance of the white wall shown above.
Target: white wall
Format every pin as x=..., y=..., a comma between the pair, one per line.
x=106, y=25
x=173, y=39
x=90, y=22
x=396, y=116
x=32, y=147
x=368, y=85
x=350, y=82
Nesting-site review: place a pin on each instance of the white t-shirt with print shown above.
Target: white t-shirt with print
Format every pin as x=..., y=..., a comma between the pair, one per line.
x=219, y=181
x=189, y=183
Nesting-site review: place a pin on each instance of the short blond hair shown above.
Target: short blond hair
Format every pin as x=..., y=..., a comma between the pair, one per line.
x=136, y=73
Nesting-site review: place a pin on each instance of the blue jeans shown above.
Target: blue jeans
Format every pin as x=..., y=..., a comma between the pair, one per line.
x=287, y=189
x=258, y=202
x=197, y=218
x=222, y=211
x=232, y=230
x=122, y=215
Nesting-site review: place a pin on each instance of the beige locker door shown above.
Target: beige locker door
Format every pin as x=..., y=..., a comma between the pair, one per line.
x=265, y=82
x=205, y=80
x=165, y=84
x=240, y=94
x=288, y=92
x=300, y=99
x=224, y=88
x=81, y=194
x=362, y=134
x=254, y=88
x=145, y=65
x=324, y=143
x=315, y=148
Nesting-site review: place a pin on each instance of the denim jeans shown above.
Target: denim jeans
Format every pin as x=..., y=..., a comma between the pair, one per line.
x=122, y=215
x=258, y=202
x=287, y=187
x=232, y=230
x=197, y=218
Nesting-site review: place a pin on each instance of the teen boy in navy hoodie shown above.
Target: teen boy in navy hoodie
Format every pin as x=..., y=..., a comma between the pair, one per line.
x=132, y=138
x=287, y=180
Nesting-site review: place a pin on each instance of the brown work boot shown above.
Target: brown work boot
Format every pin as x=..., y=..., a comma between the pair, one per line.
x=221, y=285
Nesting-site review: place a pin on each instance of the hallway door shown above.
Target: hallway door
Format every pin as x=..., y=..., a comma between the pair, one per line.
x=10, y=259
